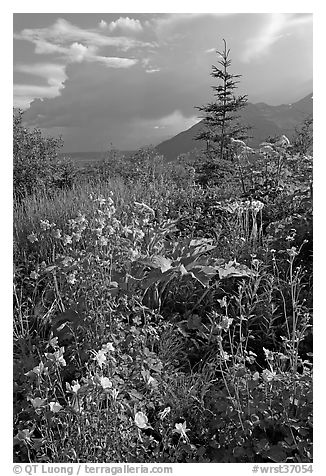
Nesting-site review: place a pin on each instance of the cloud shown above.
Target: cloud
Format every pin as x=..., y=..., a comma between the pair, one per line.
x=153, y=70
x=69, y=44
x=75, y=45
x=176, y=122
x=126, y=25
x=102, y=24
x=129, y=108
x=63, y=32
x=275, y=28
x=24, y=94
x=54, y=74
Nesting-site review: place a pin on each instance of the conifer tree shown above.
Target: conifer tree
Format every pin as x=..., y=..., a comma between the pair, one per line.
x=220, y=117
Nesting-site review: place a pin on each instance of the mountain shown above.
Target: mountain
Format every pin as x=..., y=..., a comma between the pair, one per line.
x=265, y=121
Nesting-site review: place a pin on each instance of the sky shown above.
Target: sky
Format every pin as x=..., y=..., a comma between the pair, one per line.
x=126, y=80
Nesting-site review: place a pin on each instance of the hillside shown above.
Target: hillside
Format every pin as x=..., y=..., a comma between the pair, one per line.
x=264, y=119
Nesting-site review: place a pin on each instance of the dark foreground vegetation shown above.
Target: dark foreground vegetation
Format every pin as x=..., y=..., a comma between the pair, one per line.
x=158, y=320
x=163, y=312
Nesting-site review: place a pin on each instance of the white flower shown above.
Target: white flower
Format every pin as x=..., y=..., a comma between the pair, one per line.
x=34, y=275
x=67, y=239
x=77, y=236
x=181, y=428
x=109, y=346
x=100, y=200
x=56, y=233
x=45, y=225
x=71, y=278
x=255, y=376
x=133, y=254
x=105, y=382
x=164, y=413
x=75, y=387
x=141, y=420
x=37, y=402
x=100, y=357
x=103, y=241
x=55, y=407
x=268, y=376
x=32, y=237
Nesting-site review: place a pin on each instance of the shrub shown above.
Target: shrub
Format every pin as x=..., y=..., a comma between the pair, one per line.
x=36, y=163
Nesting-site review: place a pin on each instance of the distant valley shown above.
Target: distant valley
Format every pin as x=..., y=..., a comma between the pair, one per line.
x=264, y=119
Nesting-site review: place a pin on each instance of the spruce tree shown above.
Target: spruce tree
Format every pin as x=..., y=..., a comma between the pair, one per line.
x=220, y=117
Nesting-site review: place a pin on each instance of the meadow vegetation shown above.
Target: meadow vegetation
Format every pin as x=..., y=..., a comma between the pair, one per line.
x=160, y=317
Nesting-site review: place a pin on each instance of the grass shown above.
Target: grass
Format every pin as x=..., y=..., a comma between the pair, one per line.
x=173, y=329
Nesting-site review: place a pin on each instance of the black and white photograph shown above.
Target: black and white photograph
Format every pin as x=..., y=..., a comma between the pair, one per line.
x=162, y=184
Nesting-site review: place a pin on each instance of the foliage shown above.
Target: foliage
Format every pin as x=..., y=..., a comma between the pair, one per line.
x=36, y=162
x=303, y=139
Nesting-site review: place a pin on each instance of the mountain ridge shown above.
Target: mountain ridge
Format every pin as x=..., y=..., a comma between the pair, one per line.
x=265, y=120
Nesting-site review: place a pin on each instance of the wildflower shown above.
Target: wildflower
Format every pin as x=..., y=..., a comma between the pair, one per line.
x=181, y=428
x=268, y=376
x=126, y=231
x=76, y=236
x=54, y=342
x=100, y=357
x=141, y=420
x=115, y=393
x=38, y=370
x=268, y=354
x=133, y=254
x=66, y=261
x=115, y=223
x=109, y=346
x=57, y=356
x=37, y=402
x=73, y=388
x=152, y=381
x=292, y=252
x=25, y=435
x=32, y=238
x=102, y=241
x=256, y=263
x=55, y=407
x=80, y=218
x=67, y=239
x=34, y=275
x=138, y=234
x=225, y=356
x=225, y=323
x=255, y=376
x=46, y=225
x=105, y=382
x=56, y=233
x=164, y=413
x=101, y=201
x=71, y=278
